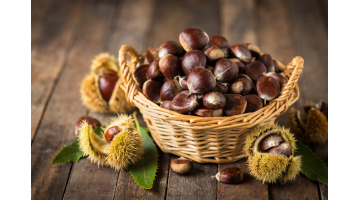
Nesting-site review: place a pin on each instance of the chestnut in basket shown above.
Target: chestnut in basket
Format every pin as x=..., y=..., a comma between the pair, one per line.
x=152, y=54
x=221, y=87
x=214, y=100
x=140, y=74
x=201, y=81
x=192, y=60
x=184, y=102
x=151, y=90
x=213, y=53
x=254, y=50
x=193, y=38
x=240, y=64
x=268, y=62
x=242, y=86
x=107, y=84
x=279, y=77
x=170, y=66
x=235, y=104
x=153, y=71
x=207, y=112
x=219, y=41
x=268, y=88
x=241, y=52
x=226, y=71
x=171, y=47
x=166, y=104
x=255, y=70
x=169, y=90
x=254, y=103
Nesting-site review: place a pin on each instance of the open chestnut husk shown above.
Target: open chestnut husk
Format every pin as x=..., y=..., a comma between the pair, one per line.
x=207, y=112
x=235, y=104
x=169, y=90
x=140, y=74
x=192, y=60
x=170, y=66
x=254, y=103
x=241, y=52
x=193, y=38
x=268, y=88
x=214, y=100
x=242, y=86
x=184, y=102
x=201, y=81
x=255, y=70
x=171, y=47
x=151, y=90
x=226, y=71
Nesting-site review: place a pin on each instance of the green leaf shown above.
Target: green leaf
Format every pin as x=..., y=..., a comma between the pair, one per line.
x=312, y=166
x=69, y=153
x=144, y=171
x=99, y=131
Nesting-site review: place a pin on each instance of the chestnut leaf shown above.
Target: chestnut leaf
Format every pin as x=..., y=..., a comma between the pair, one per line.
x=69, y=153
x=312, y=166
x=144, y=171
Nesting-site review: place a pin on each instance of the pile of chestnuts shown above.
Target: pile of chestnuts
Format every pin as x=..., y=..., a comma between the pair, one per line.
x=205, y=76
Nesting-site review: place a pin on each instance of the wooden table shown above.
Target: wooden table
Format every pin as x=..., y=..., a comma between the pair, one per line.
x=66, y=35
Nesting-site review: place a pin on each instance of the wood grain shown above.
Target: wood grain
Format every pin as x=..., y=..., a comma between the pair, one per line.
x=49, y=56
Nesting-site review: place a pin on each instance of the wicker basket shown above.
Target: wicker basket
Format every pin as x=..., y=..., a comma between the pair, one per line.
x=204, y=139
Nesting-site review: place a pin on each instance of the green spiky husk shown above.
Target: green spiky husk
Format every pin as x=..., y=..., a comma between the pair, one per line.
x=317, y=126
x=85, y=146
x=272, y=167
x=125, y=149
x=104, y=60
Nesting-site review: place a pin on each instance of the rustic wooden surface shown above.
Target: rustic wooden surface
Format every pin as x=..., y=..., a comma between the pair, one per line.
x=66, y=35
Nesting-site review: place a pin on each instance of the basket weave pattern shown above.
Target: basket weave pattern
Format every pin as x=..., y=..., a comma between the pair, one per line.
x=204, y=139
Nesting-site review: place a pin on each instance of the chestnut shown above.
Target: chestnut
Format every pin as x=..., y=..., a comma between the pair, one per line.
x=153, y=71
x=235, y=104
x=166, y=104
x=254, y=50
x=241, y=52
x=268, y=62
x=182, y=81
x=242, y=86
x=219, y=41
x=277, y=67
x=241, y=75
x=271, y=141
x=201, y=81
x=184, y=102
x=239, y=64
x=106, y=85
x=111, y=132
x=90, y=120
x=152, y=54
x=284, y=149
x=193, y=38
x=213, y=53
x=214, y=100
x=151, y=90
x=171, y=47
x=255, y=70
x=268, y=88
x=226, y=71
x=221, y=87
x=181, y=165
x=279, y=77
x=231, y=175
x=140, y=74
x=169, y=90
x=254, y=103
x=207, y=112
x=170, y=66
x=192, y=60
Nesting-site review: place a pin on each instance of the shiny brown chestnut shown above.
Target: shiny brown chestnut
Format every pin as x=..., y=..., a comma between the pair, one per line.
x=171, y=47
x=239, y=64
x=151, y=90
x=181, y=165
x=90, y=120
x=268, y=88
x=242, y=86
x=241, y=52
x=221, y=87
x=140, y=74
x=279, y=77
x=219, y=41
x=192, y=60
x=169, y=90
x=153, y=71
x=111, y=132
x=284, y=149
x=201, y=81
x=255, y=70
x=152, y=54
x=254, y=103
x=170, y=66
x=214, y=100
x=268, y=62
x=254, y=50
x=235, y=104
x=193, y=38
x=166, y=104
x=106, y=85
x=226, y=71
x=271, y=141
x=231, y=175
x=207, y=112
x=213, y=53
x=184, y=102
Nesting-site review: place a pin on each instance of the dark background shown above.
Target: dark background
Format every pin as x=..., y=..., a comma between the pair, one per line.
x=66, y=35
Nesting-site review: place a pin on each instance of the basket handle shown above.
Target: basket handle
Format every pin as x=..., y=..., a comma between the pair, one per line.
x=294, y=68
x=129, y=85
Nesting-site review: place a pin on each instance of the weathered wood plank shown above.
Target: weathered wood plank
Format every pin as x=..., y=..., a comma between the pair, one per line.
x=49, y=56
x=64, y=108
x=238, y=25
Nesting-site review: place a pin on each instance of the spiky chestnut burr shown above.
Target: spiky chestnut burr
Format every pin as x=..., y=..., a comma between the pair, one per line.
x=268, y=165
x=125, y=147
